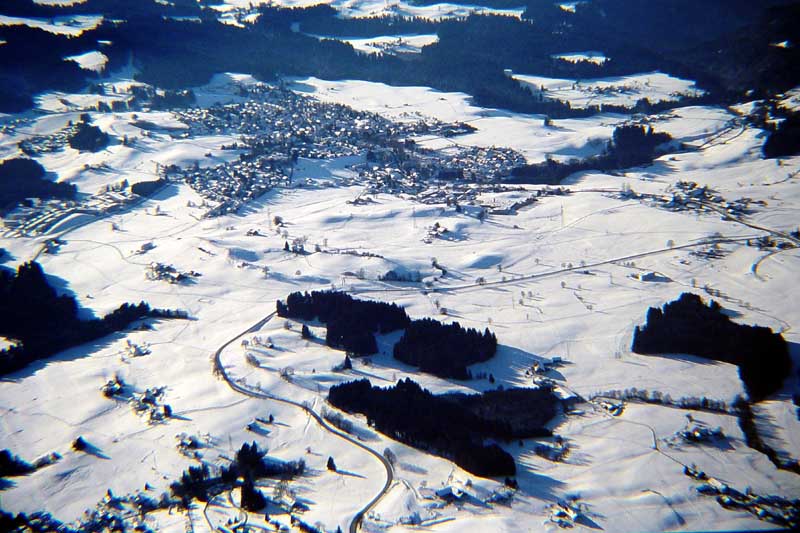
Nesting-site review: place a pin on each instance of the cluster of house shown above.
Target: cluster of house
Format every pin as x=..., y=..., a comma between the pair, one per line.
x=408, y=168
x=689, y=195
x=42, y=144
x=42, y=215
x=9, y=127
x=565, y=513
x=113, y=387
x=556, y=451
x=613, y=406
x=228, y=186
x=120, y=513
x=700, y=433
x=774, y=509
x=277, y=126
x=163, y=272
x=136, y=350
x=148, y=404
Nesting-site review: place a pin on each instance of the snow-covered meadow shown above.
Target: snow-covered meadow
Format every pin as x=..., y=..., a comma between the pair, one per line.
x=560, y=283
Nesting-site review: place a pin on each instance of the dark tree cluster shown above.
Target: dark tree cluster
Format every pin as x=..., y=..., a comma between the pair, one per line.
x=146, y=188
x=252, y=499
x=351, y=323
x=23, y=178
x=11, y=465
x=784, y=140
x=172, y=99
x=668, y=35
x=88, y=138
x=688, y=325
x=630, y=146
x=44, y=323
x=455, y=426
x=252, y=462
x=445, y=350
x=194, y=483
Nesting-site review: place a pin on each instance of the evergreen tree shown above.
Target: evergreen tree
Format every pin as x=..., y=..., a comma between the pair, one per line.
x=252, y=498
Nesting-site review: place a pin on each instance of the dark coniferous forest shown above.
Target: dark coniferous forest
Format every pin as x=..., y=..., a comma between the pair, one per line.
x=688, y=325
x=455, y=426
x=784, y=140
x=22, y=178
x=444, y=350
x=470, y=55
x=88, y=138
x=44, y=323
x=351, y=323
x=631, y=145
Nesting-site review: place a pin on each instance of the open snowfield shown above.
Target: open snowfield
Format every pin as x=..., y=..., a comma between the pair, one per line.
x=621, y=90
x=71, y=25
x=392, y=44
x=378, y=8
x=559, y=283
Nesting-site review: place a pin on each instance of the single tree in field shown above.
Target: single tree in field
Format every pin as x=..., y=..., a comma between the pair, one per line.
x=331, y=464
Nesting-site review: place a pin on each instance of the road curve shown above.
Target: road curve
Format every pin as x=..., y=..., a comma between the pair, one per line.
x=355, y=523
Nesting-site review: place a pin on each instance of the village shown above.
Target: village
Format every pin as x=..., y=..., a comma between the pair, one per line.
x=278, y=127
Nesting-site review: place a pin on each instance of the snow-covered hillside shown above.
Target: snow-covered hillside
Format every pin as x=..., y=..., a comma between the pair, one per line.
x=556, y=279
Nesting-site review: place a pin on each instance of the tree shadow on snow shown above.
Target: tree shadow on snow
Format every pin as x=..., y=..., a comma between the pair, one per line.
x=91, y=449
x=348, y=473
x=70, y=354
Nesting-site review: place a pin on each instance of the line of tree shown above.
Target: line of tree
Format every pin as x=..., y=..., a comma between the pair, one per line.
x=12, y=465
x=455, y=426
x=688, y=325
x=22, y=178
x=351, y=322
x=146, y=188
x=42, y=322
x=631, y=145
x=445, y=350
x=657, y=397
x=747, y=423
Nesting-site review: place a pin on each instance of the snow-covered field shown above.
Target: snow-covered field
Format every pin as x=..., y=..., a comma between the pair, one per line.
x=68, y=25
x=377, y=8
x=391, y=44
x=564, y=288
x=621, y=90
x=590, y=56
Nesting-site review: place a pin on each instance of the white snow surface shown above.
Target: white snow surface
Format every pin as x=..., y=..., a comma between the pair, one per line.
x=377, y=8
x=72, y=25
x=620, y=90
x=94, y=60
x=392, y=44
x=587, y=319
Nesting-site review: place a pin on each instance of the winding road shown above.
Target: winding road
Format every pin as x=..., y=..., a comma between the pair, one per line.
x=355, y=523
